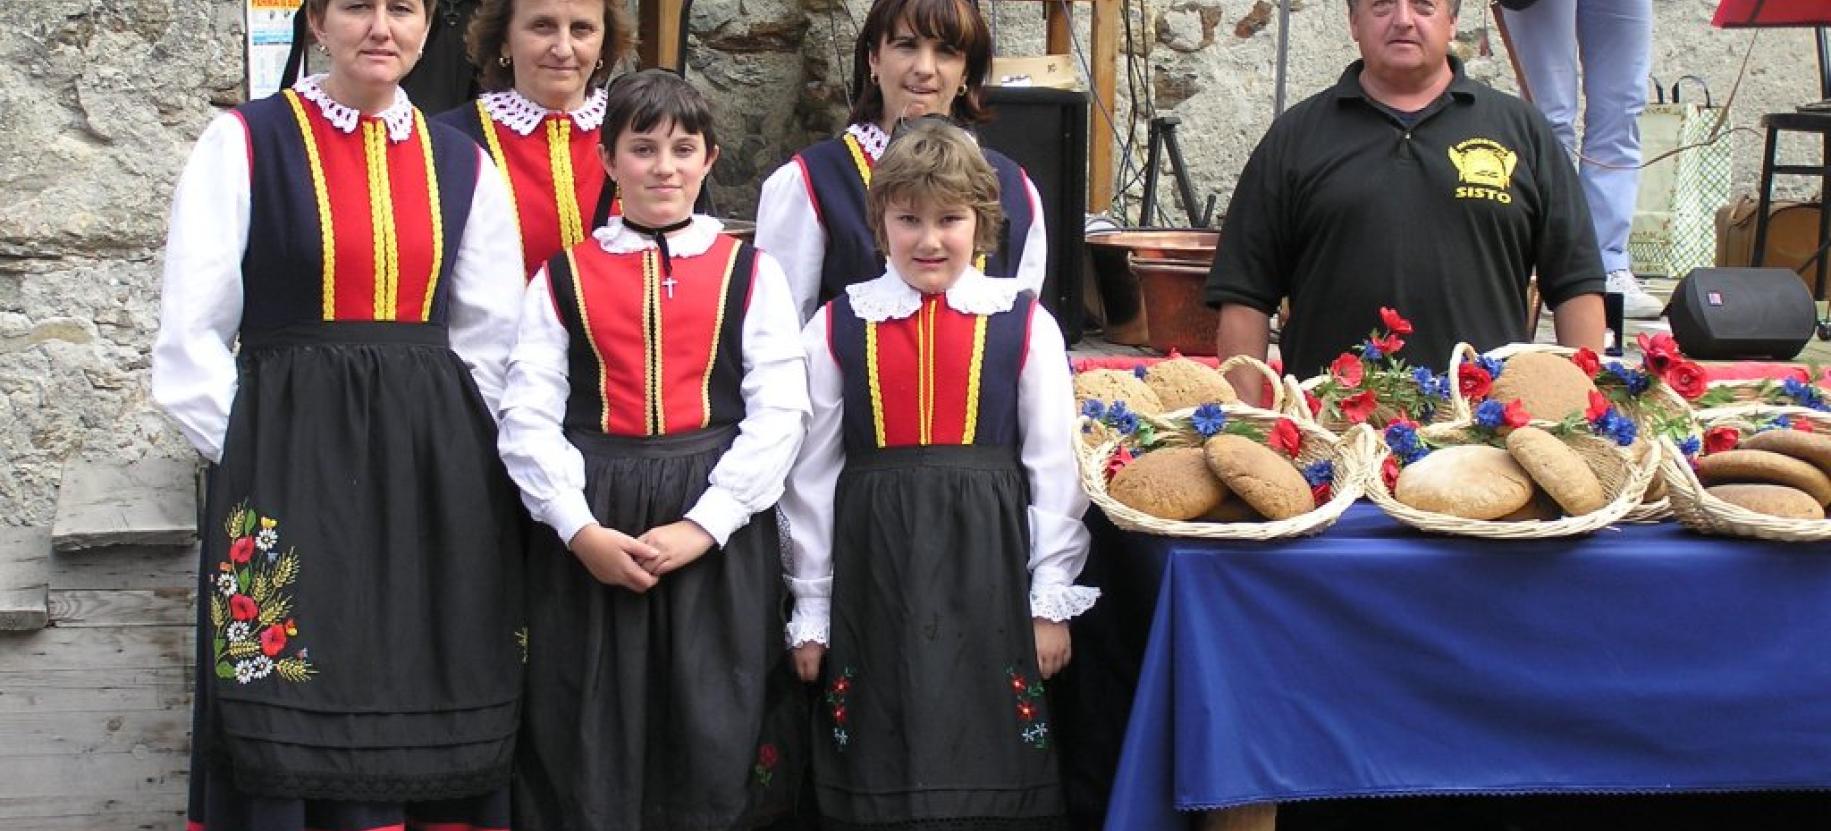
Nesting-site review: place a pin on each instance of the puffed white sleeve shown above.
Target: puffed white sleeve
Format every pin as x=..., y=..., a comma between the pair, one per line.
x=749, y=477
x=200, y=299
x=788, y=227
x=487, y=284
x=1035, y=262
x=1058, y=540
x=546, y=467
x=807, y=506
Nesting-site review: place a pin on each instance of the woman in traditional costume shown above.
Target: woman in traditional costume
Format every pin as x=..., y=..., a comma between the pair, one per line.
x=912, y=58
x=360, y=645
x=543, y=65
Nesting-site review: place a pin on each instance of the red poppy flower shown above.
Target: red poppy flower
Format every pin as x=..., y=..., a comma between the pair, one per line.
x=1586, y=360
x=1515, y=414
x=1017, y=683
x=1394, y=322
x=1120, y=458
x=1025, y=711
x=1389, y=345
x=1598, y=406
x=1389, y=472
x=841, y=684
x=1265, y=391
x=1686, y=378
x=1315, y=404
x=1474, y=381
x=839, y=714
x=1284, y=437
x=1719, y=439
x=273, y=639
x=1277, y=365
x=242, y=550
x=1347, y=370
x=767, y=756
x=1659, y=351
x=242, y=607
x=1320, y=494
x=1360, y=406
x=1802, y=425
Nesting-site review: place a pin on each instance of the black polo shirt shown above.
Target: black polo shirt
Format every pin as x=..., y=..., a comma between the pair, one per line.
x=1344, y=209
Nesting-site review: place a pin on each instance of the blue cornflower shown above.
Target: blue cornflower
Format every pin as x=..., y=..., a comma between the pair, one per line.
x=1690, y=446
x=1401, y=438
x=1423, y=378
x=1779, y=423
x=1620, y=428
x=1093, y=408
x=1319, y=473
x=1370, y=352
x=1805, y=394
x=1636, y=381
x=1124, y=422
x=1442, y=389
x=1426, y=412
x=1208, y=419
x=1139, y=372
x=1490, y=413
x=1492, y=365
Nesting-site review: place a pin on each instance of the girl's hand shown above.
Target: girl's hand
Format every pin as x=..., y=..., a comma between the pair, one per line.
x=807, y=661
x=614, y=557
x=1052, y=647
x=677, y=544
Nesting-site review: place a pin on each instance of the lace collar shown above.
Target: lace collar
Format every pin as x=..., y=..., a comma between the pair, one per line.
x=871, y=137
x=691, y=241
x=398, y=116
x=518, y=112
x=889, y=298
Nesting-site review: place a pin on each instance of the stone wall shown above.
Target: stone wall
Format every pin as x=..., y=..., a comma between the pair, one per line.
x=103, y=97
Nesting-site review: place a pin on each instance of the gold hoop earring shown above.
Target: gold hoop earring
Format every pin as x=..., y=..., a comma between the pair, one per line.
x=599, y=65
x=962, y=92
x=873, y=79
x=322, y=50
x=503, y=61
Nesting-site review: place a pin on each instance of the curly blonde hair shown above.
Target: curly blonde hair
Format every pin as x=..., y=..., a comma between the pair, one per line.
x=935, y=162
x=489, y=31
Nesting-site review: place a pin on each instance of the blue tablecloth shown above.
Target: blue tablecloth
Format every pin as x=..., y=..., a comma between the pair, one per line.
x=1376, y=660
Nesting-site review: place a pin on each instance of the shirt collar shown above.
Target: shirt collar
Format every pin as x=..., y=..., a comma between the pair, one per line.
x=398, y=116
x=690, y=241
x=519, y=113
x=1349, y=85
x=889, y=298
x=871, y=137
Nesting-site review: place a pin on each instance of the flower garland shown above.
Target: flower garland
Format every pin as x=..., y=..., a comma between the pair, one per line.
x=1369, y=384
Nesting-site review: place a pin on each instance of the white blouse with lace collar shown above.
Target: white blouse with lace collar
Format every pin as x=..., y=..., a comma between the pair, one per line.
x=615, y=238
x=398, y=116
x=519, y=113
x=871, y=137
x=889, y=298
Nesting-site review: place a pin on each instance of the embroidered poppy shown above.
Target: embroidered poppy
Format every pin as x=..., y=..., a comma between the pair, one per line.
x=767, y=756
x=1285, y=438
x=1017, y=683
x=1025, y=710
x=839, y=714
x=273, y=639
x=1586, y=360
x=842, y=684
x=1360, y=406
x=1394, y=322
x=242, y=550
x=243, y=607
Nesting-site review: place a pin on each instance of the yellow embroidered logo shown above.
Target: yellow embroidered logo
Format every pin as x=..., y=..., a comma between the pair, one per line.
x=1485, y=169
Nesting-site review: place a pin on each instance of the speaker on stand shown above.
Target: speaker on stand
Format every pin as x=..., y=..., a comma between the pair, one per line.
x=1732, y=313
x=1045, y=130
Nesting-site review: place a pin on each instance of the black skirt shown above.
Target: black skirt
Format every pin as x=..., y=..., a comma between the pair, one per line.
x=360, y=614
x=932, y=714
x=673, y=709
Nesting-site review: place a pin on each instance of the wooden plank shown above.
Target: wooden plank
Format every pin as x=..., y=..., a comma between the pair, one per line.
x=1101, y=132
x=25, y=566
x=1059, y=25
x=658, y=33
x=72, y=733
x=34, y=786
x=124, y=816
x=47, y=692
x=145, y=502
x=152, y=607
x=100, y=648
x=126, y=568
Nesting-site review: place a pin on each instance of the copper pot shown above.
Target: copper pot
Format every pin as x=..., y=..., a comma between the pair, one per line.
x=1121, y=300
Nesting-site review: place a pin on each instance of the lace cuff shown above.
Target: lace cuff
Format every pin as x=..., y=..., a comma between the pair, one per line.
x=812, y=622
x=1059, y=603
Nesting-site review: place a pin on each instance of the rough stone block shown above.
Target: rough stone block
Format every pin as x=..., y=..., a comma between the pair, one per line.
x=107, y=502
x=25, y=570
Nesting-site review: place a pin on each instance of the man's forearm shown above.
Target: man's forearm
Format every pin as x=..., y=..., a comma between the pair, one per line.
x=1244, y=330
x=1579, y=321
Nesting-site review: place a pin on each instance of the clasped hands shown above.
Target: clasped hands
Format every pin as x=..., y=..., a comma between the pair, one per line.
x=638, y=563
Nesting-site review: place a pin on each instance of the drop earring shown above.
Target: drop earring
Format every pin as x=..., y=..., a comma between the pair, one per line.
x=503, y=61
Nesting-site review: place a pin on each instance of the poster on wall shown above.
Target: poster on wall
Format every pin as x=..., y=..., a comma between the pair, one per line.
x=269, y=39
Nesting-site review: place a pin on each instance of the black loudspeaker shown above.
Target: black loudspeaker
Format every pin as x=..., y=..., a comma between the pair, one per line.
x=1729, y=313
x=1045, y=130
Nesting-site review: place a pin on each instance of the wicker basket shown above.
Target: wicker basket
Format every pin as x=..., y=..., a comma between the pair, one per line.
x=1624, y=473
x=1746, y=392
x=1174, y=430
x=1659, y=401
x=1701, y=512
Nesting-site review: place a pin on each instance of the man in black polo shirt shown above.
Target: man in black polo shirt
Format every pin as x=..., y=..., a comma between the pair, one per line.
x=1405, y=185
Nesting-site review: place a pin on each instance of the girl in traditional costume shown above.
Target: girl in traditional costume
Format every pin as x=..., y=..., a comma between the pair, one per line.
x=359, y=659
x=656, y=398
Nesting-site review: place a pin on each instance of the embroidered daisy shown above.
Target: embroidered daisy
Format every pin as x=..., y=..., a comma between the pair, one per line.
x=260, y=666
x=239, y=631
x=244, y=672
x=266, y=539
x=225, y=583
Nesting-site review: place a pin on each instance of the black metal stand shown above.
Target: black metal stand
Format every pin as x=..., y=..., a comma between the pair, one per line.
x=1162, y=135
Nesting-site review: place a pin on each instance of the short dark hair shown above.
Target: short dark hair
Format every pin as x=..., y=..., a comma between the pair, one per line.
x=489, y=30
x=934, y=161
x=642, y=99
x=954, y=22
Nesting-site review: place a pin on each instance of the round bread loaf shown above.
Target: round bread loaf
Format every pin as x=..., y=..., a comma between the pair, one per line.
x=1267, y=481
x=1549, y=386
x=1472, y=481
x=1656, y=490
x=1232, y=510
x=1773, y=500
x=1173, y=483
x=1110, y=385
x=1738, y=466
x=1541, y=507
x=1558, y=470
x=1180, y=383
x=1806, y=447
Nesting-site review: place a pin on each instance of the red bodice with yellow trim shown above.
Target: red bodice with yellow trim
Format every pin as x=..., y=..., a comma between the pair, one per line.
x=555, y=178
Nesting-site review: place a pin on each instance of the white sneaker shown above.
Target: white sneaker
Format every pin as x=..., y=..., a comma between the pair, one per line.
x=1636, y=303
